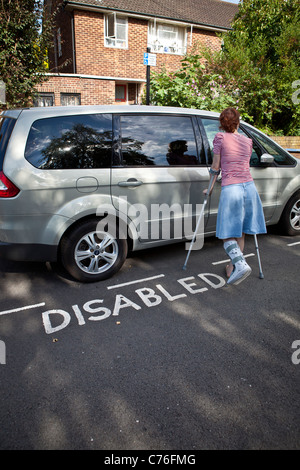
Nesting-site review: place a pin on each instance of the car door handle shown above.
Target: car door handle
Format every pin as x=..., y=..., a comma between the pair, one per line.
x=132, y=182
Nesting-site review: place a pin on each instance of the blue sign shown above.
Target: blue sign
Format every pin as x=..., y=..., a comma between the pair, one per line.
x=149, y=59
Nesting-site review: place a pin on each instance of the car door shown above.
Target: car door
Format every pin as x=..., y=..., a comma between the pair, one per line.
x=265, y=178
x=282, y=171
x=159, y=173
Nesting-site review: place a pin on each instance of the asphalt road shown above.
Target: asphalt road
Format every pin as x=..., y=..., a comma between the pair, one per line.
x=155, y=358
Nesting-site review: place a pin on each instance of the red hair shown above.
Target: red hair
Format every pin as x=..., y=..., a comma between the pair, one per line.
x=229, y=119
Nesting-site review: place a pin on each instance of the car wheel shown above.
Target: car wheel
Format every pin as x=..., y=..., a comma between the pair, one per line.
x=90, y=255
x=290, y=219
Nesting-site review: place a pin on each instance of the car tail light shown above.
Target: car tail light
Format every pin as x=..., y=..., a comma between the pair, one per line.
x=7, y=188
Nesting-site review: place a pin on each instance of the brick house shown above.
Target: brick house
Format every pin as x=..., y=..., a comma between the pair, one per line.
x=99, y=45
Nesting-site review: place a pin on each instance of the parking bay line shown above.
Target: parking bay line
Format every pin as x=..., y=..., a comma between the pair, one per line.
x=27, y=307
x=162, y=275
x=292, y=244
x=227, y=260
x=135, y=282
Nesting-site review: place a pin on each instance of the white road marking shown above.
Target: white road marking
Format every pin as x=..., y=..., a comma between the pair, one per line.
x=292, y=244
x=228, y=260
x=27, y=307
x=136, y=282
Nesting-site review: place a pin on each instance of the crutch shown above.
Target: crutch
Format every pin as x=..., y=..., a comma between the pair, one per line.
x=214, y=175
x=261, y=276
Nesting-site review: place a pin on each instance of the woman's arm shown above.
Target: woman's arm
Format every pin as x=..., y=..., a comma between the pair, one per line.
x=216, y=163
x=214, y=171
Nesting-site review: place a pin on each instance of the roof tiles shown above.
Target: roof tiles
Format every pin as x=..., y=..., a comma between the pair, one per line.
x=203, y=12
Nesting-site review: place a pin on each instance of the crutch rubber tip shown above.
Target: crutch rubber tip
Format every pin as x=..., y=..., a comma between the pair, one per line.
x=261, y=276
x=184, y=268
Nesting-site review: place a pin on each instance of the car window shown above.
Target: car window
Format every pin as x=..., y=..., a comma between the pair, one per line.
x=70, y=142
x=280, y=156
x=154, y=140
x=212, y=127
x=6, y=127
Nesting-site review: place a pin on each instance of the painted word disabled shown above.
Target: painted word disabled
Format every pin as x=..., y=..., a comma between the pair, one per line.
x=96, y=310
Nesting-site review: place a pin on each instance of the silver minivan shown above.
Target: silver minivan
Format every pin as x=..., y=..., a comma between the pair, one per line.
x=85, y=184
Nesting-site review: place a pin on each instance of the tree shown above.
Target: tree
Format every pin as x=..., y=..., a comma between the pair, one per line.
x=255, y=70
x=195, y=85
x=262, y=53
x=23, y=50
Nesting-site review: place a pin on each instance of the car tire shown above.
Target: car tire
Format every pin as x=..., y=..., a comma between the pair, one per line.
x=90, y=254
x=290, y=219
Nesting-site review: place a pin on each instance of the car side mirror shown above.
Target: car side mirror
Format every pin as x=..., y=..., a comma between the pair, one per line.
x=266, y=159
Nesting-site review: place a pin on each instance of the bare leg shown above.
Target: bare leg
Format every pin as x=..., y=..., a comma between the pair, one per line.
x=241, y=242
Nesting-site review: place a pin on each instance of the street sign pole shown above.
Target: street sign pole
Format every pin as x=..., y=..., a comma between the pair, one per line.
x=148, y=81
x=149, y=59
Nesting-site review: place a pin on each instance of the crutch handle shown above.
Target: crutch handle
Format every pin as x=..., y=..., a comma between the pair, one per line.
x=213, y=177
x=214, y=172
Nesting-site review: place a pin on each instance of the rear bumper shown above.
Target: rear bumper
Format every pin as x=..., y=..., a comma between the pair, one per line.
x=28, y=252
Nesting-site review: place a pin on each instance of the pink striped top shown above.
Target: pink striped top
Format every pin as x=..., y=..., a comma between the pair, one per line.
x=235, y=151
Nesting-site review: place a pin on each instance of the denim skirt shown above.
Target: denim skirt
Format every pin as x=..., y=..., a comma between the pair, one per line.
x=240, y=211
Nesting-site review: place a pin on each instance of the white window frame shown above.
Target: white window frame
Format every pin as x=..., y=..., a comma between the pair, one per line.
x=44, y=99
x=111, y=31
x=176, y=45
x=70, y=99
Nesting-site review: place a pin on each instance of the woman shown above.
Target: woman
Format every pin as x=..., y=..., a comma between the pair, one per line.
x=240, y=210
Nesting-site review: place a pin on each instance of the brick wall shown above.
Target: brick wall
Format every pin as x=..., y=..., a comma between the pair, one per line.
x=94, y=58
x=202, y=36
x=93, y=91
x=288, y=142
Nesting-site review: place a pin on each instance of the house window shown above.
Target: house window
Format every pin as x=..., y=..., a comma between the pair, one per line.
x=120, y=93
x=166, y=38
x=44, y=99
x=116, y=31
x=70, y=99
